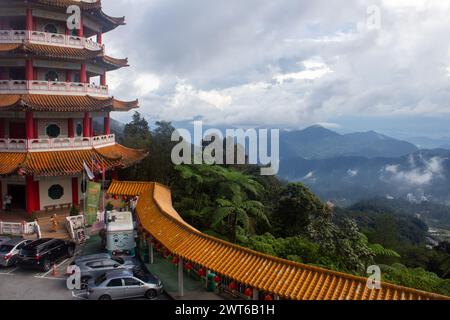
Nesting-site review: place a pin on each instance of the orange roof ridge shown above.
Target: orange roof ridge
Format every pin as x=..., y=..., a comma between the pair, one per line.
x=184, y=240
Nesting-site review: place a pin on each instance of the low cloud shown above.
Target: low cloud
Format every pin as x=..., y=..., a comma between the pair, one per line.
x=421, y=171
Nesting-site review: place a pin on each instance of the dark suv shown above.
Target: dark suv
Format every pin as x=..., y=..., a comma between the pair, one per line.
x=42, y=253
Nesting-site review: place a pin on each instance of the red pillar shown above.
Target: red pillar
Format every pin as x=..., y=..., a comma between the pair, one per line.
x=106, y=125
x=35, y=129
x=68, y=76
x=29, y=190
x=37, y=199
x=29, y=123
x=115, y=175
x=103, y=79
x=29, y=73
x=29, y=20
x=75, y=200
x=81, y=30
x=83, y=76
x=70, y=130
x=99, y=37
x=2, y=129
x=86, y=125
x=91, y=127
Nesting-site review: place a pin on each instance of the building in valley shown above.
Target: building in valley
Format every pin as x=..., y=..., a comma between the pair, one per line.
x=52, y=85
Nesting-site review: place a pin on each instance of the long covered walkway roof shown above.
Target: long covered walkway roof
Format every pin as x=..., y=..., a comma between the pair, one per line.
x=287, y=279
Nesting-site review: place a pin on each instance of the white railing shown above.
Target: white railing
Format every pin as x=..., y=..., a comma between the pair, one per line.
x=18, y=36
x=57, y=143
x=51, y=87
x=18, y=228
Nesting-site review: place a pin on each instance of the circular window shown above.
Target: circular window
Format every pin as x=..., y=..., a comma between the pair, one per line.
x=51, y=76
x=55, y=192
x=50, y=28
x=53, y=131
x=79, y=129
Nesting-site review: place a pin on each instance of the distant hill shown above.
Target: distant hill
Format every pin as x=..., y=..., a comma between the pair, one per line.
x=317, y=142
x=115, y=126
x=422, y=175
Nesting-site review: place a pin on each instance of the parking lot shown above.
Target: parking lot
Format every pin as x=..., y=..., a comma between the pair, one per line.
x=19, y=284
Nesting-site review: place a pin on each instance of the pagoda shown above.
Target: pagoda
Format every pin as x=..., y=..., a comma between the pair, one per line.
x=53, y=87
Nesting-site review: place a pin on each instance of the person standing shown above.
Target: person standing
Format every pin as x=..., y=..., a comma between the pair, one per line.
x=8, y=202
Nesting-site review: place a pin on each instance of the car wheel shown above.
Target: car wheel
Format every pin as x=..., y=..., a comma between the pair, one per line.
x=84, y=282
x=105, y=297
x=150, y=294
x=46, y=265
x=70, y=252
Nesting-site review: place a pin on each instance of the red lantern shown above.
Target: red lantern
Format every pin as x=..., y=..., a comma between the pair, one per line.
x=201, y=272
x=188, y=266
x=268, y=297
x=232, y=286
x=124, y=198
x=166, y=253
x=248, y=292
x=175, y=260
x=216, y=279
x=116, y=197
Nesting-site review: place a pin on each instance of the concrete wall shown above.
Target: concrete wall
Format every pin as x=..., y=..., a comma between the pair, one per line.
x=45, y=184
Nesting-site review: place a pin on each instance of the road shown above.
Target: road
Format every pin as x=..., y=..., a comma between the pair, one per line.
x=18, y=284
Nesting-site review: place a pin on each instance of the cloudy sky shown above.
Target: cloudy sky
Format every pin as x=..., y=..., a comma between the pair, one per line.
x=350, y=64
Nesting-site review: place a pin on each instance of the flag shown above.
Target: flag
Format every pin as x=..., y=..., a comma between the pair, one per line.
x=103, y=170
x=88, y=171
x=96, y=165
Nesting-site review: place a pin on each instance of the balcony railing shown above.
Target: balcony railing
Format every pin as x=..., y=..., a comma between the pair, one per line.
x=56, y=144
x=18, y=36
x=51, y=87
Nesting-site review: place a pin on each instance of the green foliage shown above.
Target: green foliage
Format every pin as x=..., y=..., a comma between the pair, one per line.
x=297, y=205
x=379, y=250
x=415, y=278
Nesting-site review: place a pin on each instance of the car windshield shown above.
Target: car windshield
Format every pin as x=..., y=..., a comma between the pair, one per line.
x=100, y=280
x=5, y=248
x=119, y=260
x=144, y=276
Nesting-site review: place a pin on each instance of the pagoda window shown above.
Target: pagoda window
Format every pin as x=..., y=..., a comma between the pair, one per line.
x=55, y=192
x=51, y=76
x=79, y=130
x=53, y=131
x=50, y=28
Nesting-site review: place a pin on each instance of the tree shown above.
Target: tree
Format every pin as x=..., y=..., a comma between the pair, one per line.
x=297, y=205
x=236, y=211
x=137, y=133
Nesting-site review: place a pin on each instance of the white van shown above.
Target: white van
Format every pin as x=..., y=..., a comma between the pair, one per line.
x=120, y=235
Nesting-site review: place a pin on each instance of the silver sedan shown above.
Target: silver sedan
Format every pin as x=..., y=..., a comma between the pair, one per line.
x=124, y=285
x=9, y=251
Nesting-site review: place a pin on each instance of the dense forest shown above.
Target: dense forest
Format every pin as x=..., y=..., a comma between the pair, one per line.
x=289, y=221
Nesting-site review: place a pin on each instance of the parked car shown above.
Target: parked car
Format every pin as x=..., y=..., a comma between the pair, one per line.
x=42, y=253
x=124, y=284
x=91, y=267
x=90, y=257
x=4, y=239
x=9, y=251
